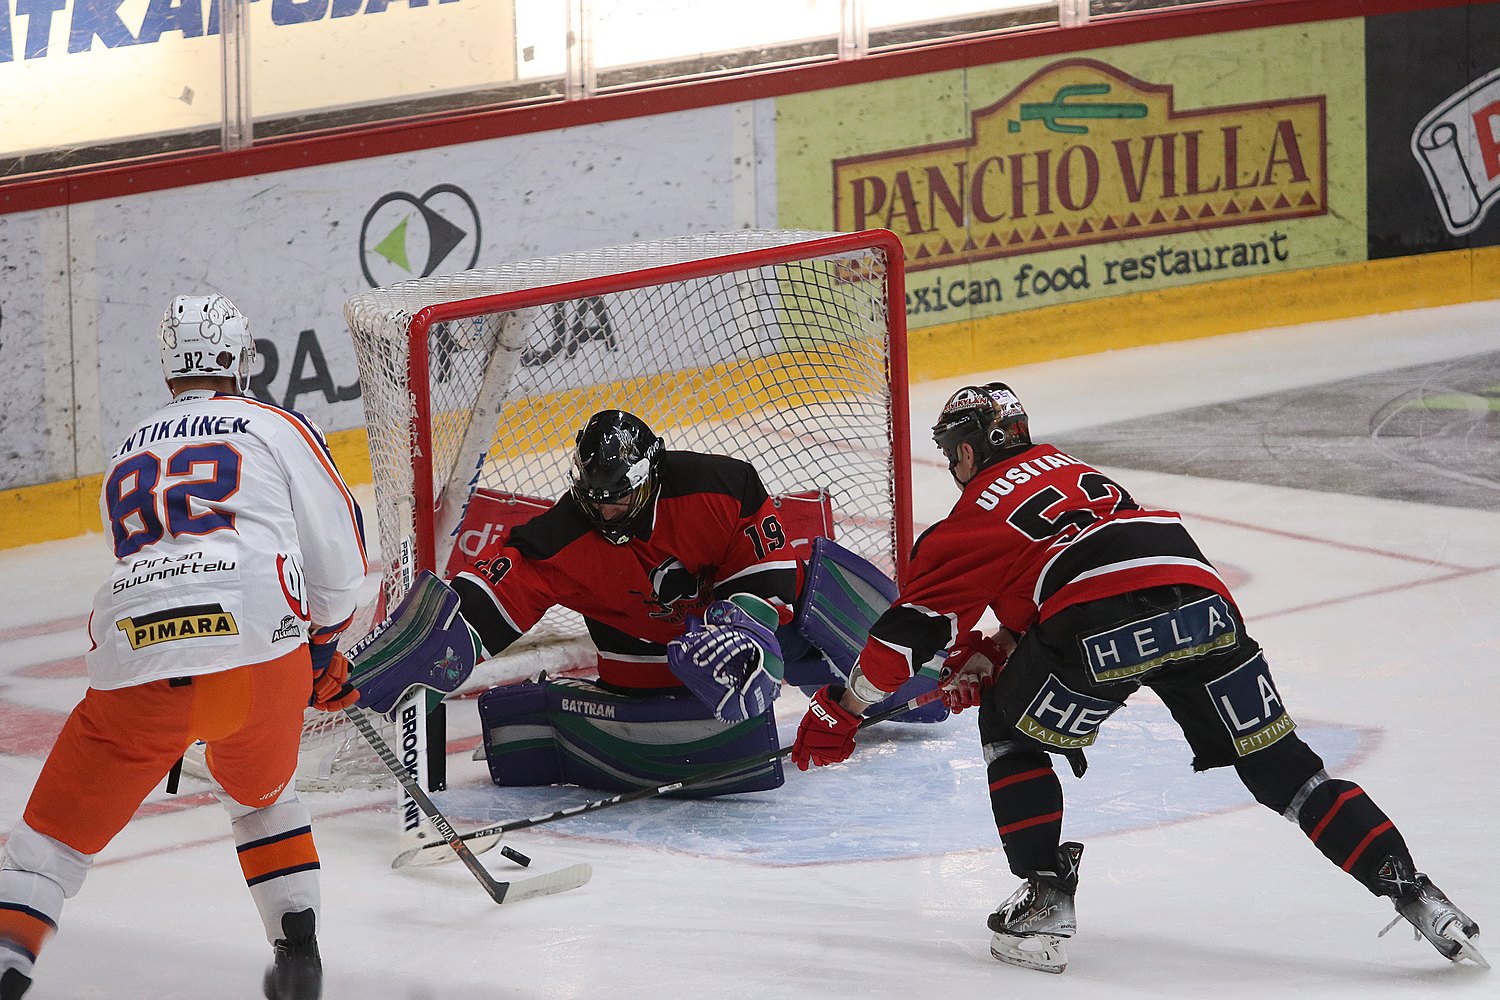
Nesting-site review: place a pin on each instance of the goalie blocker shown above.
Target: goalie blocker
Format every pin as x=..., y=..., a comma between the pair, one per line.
x=422, y=643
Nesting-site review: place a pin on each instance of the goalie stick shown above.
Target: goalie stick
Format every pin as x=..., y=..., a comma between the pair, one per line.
x=479, y=841
x=561, y=880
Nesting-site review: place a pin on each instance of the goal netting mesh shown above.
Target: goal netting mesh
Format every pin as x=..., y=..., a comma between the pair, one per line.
x=776, y=347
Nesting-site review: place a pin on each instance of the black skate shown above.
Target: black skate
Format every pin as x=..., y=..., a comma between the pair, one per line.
x=1030, y=926
x=13, y=984
x=297, y=973
x=1426, y=908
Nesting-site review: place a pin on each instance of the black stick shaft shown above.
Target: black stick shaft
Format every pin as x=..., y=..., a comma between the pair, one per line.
x=450, y=836
x=713, y=774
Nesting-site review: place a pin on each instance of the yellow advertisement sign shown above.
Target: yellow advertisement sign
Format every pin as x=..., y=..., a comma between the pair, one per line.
x=1064, y=179
x=1083, y=153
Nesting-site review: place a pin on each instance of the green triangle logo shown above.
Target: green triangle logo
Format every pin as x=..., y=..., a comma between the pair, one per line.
x=393, y=247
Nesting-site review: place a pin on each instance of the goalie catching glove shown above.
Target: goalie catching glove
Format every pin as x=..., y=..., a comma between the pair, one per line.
x=973, y=664
x=731, y=659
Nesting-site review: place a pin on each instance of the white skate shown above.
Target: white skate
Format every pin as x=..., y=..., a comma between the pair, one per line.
x=1030, y=926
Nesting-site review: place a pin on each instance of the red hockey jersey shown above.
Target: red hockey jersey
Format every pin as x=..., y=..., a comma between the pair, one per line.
x=1030, y=535
x=711, y=531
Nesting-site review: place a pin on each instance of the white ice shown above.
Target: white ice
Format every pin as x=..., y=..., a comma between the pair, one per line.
x=873, y=879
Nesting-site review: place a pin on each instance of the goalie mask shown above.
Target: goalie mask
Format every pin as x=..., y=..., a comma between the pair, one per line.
x=615, y=463
x=989, y=418
x=205, y=335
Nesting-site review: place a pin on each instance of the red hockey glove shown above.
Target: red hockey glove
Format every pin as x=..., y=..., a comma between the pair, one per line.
x=973, y=664
x=331, y=691
x=826, y=735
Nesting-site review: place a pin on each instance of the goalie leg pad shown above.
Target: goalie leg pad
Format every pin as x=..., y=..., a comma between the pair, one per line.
x=806, y=667
x=520, y=745
x=842, y=598
x=621, y=742
x=602, y=739
x=423, y=643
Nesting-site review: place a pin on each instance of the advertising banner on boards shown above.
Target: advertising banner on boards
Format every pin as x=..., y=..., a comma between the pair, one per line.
x=1434, y=138
x=1113, y=171
x=290, y=247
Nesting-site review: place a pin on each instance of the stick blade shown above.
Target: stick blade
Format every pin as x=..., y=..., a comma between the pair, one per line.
x=571, y=877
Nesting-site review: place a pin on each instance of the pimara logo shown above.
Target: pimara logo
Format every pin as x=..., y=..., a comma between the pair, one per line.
x=196, y=622
x=1083, y=153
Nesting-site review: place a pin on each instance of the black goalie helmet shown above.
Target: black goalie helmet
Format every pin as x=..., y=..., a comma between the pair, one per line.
x=988, y=417
x=616, y=462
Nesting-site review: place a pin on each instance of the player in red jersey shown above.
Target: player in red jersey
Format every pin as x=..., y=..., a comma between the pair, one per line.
x=685, y=577
x=1097, y=596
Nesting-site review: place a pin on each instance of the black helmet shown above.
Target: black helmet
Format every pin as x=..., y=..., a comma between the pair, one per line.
x=616, y=462
x=988, y=417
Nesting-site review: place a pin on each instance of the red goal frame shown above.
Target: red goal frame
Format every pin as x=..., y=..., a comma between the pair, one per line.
x=424, y=501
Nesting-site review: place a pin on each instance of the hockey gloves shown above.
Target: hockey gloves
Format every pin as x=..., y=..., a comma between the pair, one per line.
x=331, y=691
x=826, y=735
x=731, y=659
x=973, y=664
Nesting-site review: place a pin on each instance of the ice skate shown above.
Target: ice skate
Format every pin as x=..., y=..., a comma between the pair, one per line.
x=297, y=973
x=13, y=984
x=1030, y=926
x=1432, y=913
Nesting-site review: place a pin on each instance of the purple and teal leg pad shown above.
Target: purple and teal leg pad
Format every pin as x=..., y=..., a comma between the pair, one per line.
x=570, y=731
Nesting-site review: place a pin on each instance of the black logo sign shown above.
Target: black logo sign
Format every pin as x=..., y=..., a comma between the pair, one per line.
x=676, y=590
x=404, y=237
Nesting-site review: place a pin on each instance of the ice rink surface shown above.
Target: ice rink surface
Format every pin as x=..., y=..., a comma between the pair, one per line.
x=1344, y=477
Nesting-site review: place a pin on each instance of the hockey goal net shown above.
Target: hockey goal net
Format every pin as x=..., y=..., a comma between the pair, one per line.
x=786, y=349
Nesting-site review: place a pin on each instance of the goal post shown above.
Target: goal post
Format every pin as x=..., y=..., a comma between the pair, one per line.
x=783, y=348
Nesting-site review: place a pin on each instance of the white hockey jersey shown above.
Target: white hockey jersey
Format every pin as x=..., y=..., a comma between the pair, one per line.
x=232, y=531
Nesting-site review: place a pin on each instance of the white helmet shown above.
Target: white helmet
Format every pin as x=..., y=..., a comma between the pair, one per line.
x=206, y=335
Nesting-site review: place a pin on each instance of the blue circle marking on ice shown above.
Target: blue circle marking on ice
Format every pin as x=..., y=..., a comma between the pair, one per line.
x=911, y=791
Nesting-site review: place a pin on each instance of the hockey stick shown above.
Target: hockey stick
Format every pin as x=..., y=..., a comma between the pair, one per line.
x=489, y=836
x=561, y=880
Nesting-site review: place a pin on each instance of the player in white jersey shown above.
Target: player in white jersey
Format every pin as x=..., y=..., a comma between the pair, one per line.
x=238, y=551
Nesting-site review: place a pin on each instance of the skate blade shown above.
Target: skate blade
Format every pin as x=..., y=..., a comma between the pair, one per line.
x=1042, y=952
x=1466, y=947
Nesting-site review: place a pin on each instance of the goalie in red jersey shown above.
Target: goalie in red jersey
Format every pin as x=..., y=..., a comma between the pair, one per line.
x=1097, y=597
x=686, y=579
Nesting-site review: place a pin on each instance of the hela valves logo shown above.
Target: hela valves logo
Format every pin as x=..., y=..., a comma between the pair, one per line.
x=1458, y=146
x=1082, y=153
x=405, y=237
x=1250, y=706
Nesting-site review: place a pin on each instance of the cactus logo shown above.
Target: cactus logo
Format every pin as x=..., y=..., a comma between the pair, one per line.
x=404, y=236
